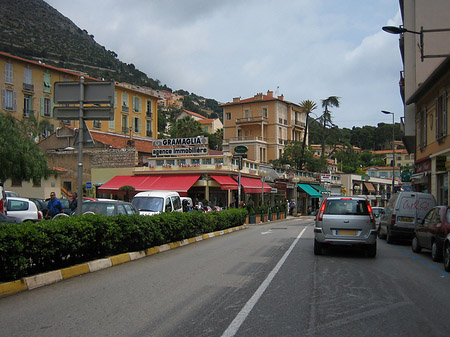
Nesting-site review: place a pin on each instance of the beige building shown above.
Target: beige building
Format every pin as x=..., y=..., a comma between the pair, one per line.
x=209, y=125
x=264, y=124
x=27, y=89
x=424, y=84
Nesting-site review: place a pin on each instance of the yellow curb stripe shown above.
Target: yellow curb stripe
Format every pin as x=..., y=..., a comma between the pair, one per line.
x=14, y=287
x=121, y=258
x=74, y=271
x=151, y=251
x=192, y=240
x=174, y=244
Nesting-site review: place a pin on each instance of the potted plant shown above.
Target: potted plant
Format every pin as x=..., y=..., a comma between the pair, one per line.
x=251, y=211
x=264, y=214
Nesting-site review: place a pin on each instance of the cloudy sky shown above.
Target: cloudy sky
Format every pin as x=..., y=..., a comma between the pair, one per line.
x=220, y=49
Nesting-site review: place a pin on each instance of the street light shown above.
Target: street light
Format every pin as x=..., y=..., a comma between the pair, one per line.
x=401, y=30
x=263, y=175
x=393, y=147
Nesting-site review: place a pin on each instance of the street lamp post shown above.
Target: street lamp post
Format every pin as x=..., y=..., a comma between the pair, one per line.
x=393, y=148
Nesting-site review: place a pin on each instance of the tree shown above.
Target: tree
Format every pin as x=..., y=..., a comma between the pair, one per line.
x=308, y=106
x=332, y=101
x=21, y=159
x=215, y=140
x=186, y=127
x=127, y=189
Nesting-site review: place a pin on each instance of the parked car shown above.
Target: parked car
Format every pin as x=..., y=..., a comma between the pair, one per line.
x=431, y=233
x=2, y=199
x=153, y=202
x=401, y=215
x=446, y=254
x=377, y=212
x=8, y=219
x=22, y=208
x=108, y=208
x=41, y=204
x=9, y=194
x=345, y=221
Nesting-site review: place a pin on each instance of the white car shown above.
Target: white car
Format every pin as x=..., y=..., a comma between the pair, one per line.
x=23, y=209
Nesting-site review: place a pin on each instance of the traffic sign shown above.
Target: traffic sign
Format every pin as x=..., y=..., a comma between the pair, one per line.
x=94, y=92
x=240, y=149
x=238, y=156
x=89, y=113
x=88, y=185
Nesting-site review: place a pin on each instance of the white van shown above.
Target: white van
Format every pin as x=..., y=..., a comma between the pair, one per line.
x=154, y=202
x=403, y=212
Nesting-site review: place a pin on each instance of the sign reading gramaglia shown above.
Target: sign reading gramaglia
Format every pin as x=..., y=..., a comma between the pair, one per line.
x=180, y=146
x=181, y=141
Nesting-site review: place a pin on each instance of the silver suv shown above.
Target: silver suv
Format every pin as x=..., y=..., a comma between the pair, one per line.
x=345, y=221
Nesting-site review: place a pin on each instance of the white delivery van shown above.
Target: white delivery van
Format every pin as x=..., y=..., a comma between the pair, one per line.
x=154, y=202
x=403, y=212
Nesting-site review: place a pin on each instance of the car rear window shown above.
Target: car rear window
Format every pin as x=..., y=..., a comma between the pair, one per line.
x=347, y=207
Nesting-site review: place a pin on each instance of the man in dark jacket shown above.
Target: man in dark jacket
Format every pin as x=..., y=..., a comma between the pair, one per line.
x=54, y=206
x=74, y=202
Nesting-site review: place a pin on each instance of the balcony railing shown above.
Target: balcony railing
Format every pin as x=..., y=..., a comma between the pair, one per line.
x=28, y=87
x=149, y=114
x=246, y=138
x=298, y=123
x=247, y=120
x=125, y=108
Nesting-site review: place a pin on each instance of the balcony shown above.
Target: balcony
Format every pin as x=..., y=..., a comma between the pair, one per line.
x=125, y=108
x=252, y=120
x=149, y=114
x=27, y=113
x=28, y=87
x=301, y=124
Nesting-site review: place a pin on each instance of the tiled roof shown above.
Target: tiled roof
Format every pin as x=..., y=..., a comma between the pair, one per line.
x=206, y=121
x=119, y=141
x=398, y=151
x=194, y=114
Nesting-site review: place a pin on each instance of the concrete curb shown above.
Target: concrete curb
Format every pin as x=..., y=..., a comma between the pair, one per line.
x=40, y=280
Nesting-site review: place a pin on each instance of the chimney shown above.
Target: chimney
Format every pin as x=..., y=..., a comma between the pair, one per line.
x=258, y=97
x=270, y=93
x=281, y=97
x=236, y=100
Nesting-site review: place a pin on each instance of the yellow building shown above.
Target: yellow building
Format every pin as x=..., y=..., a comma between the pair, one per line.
x=263, y=123
x=27, y=89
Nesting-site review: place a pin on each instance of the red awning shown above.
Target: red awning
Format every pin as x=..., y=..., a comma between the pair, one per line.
x=226, y=182
x=179, y=183
x=254, y=185
x=140, y=183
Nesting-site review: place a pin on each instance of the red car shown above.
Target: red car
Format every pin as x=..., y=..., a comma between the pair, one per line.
x=431, y=233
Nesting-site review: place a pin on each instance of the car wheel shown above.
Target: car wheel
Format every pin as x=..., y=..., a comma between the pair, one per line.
x=436, y=253
x=447, y=257
x=317, y=248
x=415, y=245
x=380, y=236
x=372, y=250
x=389, y=238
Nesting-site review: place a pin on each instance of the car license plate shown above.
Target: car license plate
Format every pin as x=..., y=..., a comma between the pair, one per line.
x=345, y=232
x=405, y=219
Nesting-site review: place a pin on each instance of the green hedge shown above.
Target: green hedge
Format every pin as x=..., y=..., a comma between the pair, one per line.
x=32, y=248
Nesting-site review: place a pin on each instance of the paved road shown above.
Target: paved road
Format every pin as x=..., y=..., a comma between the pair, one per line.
x=262, y=281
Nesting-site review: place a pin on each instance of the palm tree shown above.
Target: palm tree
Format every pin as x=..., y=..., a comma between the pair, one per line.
x=186, y=127
x=332, y=101
x=308, y=106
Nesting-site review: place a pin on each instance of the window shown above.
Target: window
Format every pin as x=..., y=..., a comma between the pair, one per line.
x=125, y=124
x=159, y=162
x=112, y=124
x=9, y=77
x=195, y=161
x=46, y=107
x=218, y=161
x=137, y=125
x=181, y=161
x=27, y=105
x=246, y=113
x=97, y=124
x=47, y=83
x=136, y=104
x=264, y=112
x=124, y=102
x=170, y=161
x=206, y=161
x=28, y=80
x=9, y=100
x=423, y=128
x=228, y=116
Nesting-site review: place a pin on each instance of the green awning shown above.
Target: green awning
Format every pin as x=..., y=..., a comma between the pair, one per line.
x=311, y=191
x=319, y=188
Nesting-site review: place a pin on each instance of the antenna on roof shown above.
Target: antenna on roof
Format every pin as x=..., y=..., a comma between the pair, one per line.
x=277, y=92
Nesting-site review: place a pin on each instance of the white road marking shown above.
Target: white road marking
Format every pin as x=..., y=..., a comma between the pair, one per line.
x=268, y=232
x=245, y=311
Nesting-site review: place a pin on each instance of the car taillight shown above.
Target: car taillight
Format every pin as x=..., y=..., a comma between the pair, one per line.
x=1, y=206
x=39, y=215
x=322, y=209
x=372, y=218
x=393, y=219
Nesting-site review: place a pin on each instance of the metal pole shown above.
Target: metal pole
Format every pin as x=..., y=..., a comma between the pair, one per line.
x=80, y=148
x=393, y=154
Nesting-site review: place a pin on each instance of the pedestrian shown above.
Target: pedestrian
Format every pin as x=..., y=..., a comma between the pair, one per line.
x=291, y=207
x=74, y=202
x=54, y=206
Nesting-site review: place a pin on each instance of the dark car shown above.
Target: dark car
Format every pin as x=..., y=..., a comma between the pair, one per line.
x=446, y=254
x=41, y=204
x=108, y=208
x=431, y=233
x=8, y=219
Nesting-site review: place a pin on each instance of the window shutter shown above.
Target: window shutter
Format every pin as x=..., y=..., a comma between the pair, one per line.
x=4, y=98
x=42, y=106
x=14, y=100
x=437, y=117
x=51, y=108
x=444, y=114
